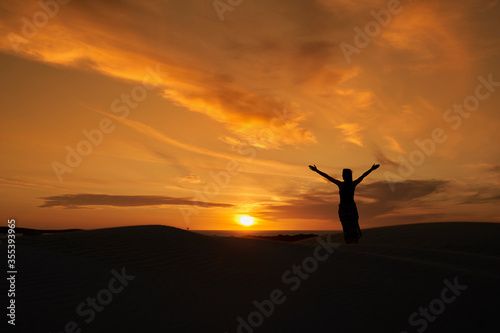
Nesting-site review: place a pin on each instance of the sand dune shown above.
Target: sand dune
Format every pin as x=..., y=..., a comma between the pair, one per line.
x=162, y=279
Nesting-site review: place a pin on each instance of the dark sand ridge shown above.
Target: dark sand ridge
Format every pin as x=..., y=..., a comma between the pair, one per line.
x=187, y=282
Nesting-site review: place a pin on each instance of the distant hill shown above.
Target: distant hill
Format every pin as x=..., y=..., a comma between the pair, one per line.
x=28, y=231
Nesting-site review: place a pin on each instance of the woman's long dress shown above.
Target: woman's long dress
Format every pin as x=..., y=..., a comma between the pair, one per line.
x=348, y=213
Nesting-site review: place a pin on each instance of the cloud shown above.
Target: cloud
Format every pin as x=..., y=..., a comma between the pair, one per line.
x=480, y=198
x=350, y=131
x=149, y=131
x=394, y=144
x=24, y=184
x=381, y=158
x=307, y=206
x=73, y=201
x=485, y=172
x=492, y=168
x=192, y=179
x=484, y=180
x=403, y=191
x=433, y=44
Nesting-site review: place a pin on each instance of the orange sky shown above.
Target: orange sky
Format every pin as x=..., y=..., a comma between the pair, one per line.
x=186, y=114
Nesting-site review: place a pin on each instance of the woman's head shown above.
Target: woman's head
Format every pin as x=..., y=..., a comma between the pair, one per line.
x=347, y=175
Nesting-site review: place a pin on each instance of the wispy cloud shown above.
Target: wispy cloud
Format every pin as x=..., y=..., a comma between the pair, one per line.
x=151, y=132
x=393, y=144
x=192, y=179
x=9, y=182
x=350, y=132
x=481, y=198
x=381, y=158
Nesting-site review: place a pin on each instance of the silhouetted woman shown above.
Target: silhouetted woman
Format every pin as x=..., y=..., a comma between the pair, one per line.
x=348, y=212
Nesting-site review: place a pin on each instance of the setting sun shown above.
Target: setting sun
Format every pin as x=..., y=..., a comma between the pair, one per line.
x=246, y=220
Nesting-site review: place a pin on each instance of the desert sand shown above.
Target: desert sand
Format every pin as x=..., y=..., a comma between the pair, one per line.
x=437, y=277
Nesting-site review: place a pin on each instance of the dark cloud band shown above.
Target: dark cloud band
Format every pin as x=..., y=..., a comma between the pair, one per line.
x=86, y=200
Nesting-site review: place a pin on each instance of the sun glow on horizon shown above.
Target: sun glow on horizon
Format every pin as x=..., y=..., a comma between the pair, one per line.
x=246, y=220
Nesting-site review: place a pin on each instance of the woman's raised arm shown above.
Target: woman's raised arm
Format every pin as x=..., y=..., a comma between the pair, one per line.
x=374, y=167
x=333, y=180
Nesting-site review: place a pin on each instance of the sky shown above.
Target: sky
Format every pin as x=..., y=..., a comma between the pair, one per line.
x=192, y=113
